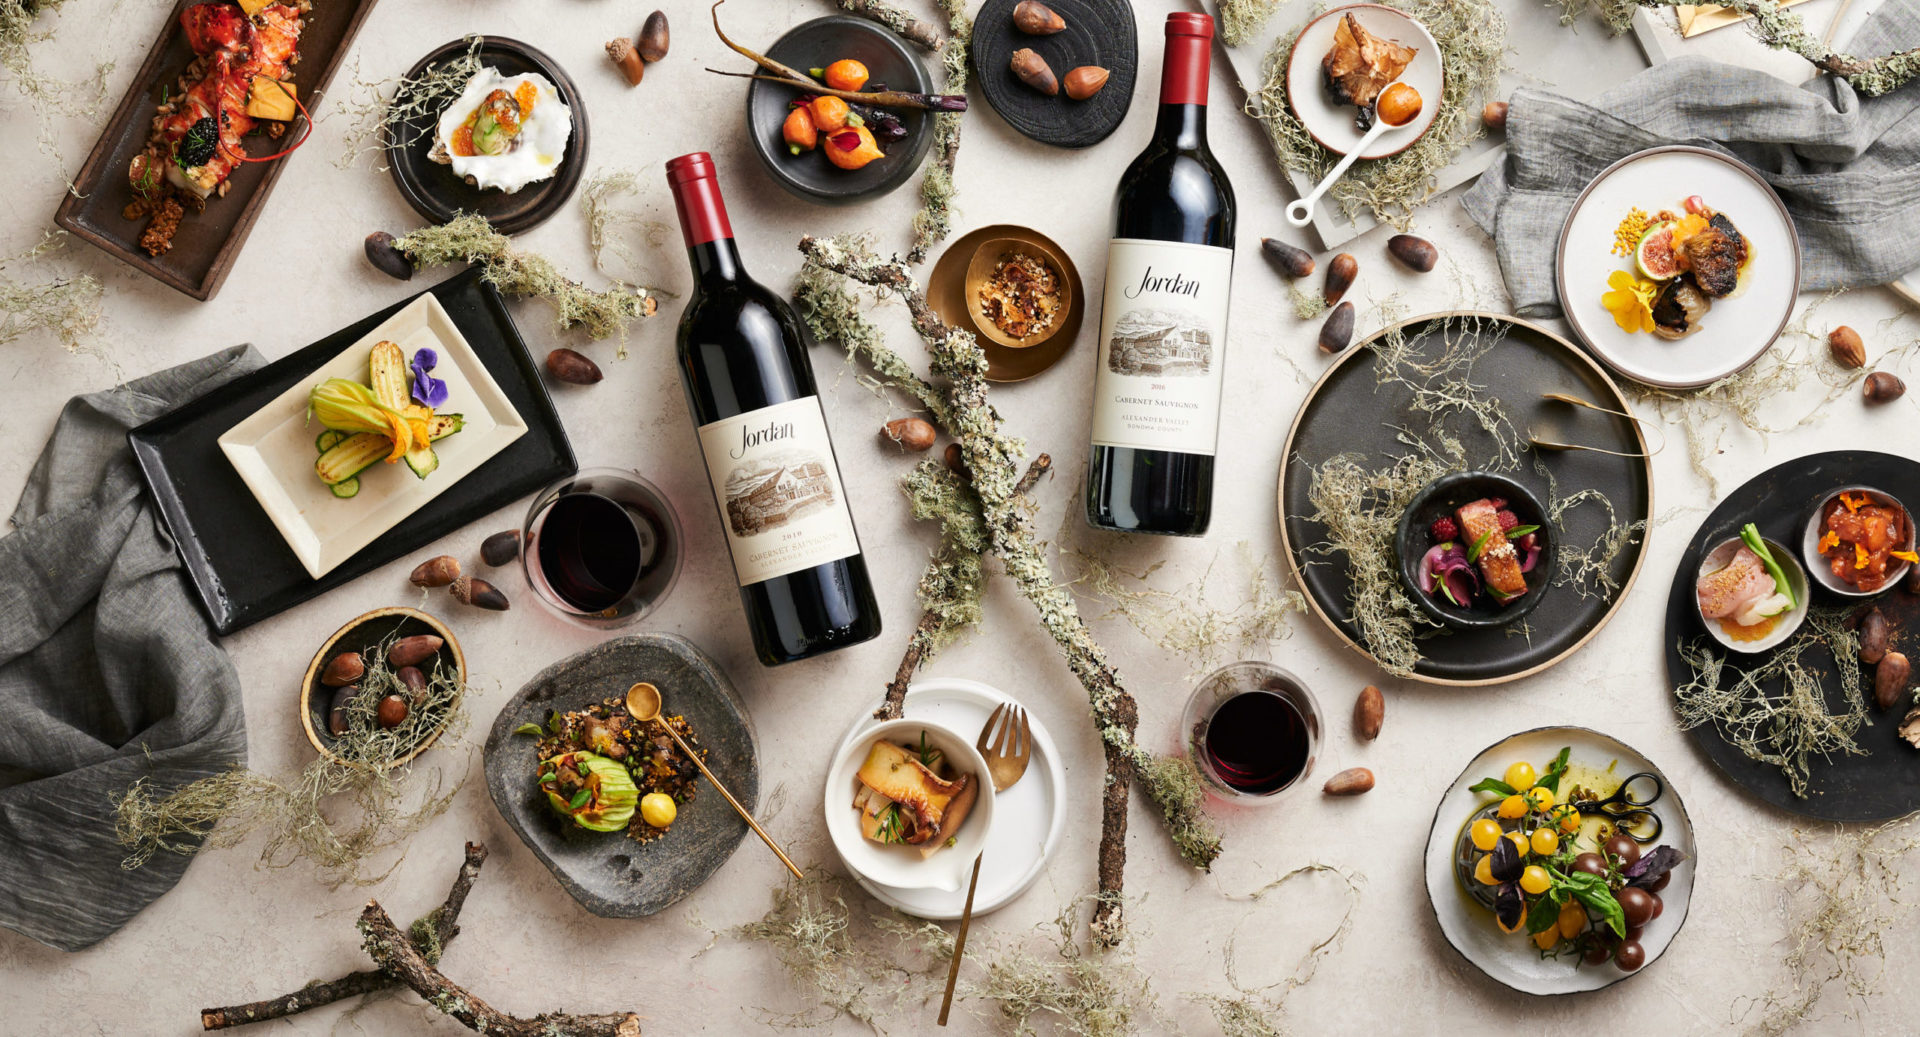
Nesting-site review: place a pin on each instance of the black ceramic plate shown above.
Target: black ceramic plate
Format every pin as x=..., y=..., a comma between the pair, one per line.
x=889, y=61
x=1098, y=32
x=1349, y=412
x=1443, y=498
x=437, y=194
x=1884, y=783
x=241, y=566
x=608, y=873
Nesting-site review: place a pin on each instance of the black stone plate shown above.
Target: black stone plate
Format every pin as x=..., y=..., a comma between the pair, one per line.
x=1884, y=783
x=608, y=873
x=240, y=565
x=1347, y=412
x=437, y=194
x=1098, y=32
x=889, y=61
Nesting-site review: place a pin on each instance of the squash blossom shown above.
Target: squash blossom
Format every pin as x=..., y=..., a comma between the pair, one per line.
x=351, y=407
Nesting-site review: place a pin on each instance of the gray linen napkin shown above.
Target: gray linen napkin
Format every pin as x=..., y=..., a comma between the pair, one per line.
x=1847, y=167
x=108, y=670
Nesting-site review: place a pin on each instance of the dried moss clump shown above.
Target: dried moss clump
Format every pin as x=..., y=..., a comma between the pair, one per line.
x=1241, y=19
x=609, y=224
x=301, y=818
x=69, y=308
x=53, y=100
x=1790, y=728
x=469, y=238
x=402, y=110
x=1472, y=36
x=1184, y=620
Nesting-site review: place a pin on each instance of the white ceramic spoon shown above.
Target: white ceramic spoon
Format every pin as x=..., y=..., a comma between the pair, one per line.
x=1300, y=213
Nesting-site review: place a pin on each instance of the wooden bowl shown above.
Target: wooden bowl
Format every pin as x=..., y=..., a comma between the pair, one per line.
x=361, y=633
x=980, y=270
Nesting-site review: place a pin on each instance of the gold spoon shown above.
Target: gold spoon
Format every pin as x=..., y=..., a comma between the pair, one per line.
x=643, y=701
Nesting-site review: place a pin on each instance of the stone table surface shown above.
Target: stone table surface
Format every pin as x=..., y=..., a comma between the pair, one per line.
x=235, y=931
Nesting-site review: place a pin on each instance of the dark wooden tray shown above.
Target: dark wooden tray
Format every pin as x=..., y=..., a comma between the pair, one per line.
x=208, y=242
x=240, y=565
x=437, y=194
x=1348, y=411
x=1098, y=32
x=1885, y=782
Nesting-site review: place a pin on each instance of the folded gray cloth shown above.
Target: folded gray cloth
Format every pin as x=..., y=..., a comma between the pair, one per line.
x=1844, y=165
x=108, y=670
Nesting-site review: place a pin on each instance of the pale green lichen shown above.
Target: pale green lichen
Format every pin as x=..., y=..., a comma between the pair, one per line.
x=402, y=111
x=1241, y=19
x=610, y=226
x=934, y=221
x=1184, y=620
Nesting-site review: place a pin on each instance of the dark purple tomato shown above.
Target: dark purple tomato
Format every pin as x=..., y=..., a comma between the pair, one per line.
x=1636, y=904
x=1660, y=883
x=1590, y=863
x=1621, y=845
x=1634, y=931
x=1599, y=952
x=1630, y=956
x=1658, y=906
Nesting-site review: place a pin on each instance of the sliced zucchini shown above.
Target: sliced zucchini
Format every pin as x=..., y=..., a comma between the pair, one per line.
x=440, y=426
x=346, y=487
x=351, y=456
x=422, y=459
x=387, y=375
x=329, y=439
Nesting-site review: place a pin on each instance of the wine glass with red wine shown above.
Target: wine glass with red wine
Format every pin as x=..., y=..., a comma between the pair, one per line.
x=1252, y=731
x=601, y=547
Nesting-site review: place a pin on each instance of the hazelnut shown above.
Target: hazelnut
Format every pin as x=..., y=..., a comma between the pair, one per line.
x=1032, y=70
x=1495, y=116
x=1085, y=81
x=1882, y=387
x=1847, y=349
x=912, y=433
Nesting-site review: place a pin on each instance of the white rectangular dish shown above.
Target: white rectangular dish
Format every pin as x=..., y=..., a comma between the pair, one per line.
x=274, y=449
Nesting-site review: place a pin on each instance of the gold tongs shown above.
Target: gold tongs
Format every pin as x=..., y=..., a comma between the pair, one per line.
x=1556, y=446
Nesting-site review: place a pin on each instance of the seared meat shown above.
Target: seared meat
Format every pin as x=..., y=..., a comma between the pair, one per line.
x=1499, y=562
x=1678, y=308
x=1715, y=256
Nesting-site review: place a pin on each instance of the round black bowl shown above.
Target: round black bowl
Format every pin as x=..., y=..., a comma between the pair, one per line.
x=1441, y=497
x=817, y=44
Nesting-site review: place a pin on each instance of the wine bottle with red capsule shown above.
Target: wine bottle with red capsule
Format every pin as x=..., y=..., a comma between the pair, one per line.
x=763, y=435
x=1163, y=321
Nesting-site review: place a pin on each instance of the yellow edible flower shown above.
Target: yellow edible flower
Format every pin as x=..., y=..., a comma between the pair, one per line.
x=1853, y=503
x=1859, y=557
x=1630, y=301
x=1832, y=539
x=1905, y=556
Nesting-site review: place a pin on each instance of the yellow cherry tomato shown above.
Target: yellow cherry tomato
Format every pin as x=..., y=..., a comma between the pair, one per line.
x=1512, y=807
x=1520, y=776
x=658, y=809
x=1573, y=918
x=1545, y=841
x=1485, y=834
x=1534, y=880
x=1520, y=842
x=1546, y=938
x=1541, y=797
x=1483, y=871
x=1570, y=821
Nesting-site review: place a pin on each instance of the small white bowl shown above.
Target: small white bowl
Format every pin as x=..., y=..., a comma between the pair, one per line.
x=1817, y=562
x=902, y=866
x=1796, y=578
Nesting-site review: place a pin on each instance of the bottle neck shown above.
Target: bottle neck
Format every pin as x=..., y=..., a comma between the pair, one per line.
x=716, y=262
x=1182, y=126
x=1183, y=83
x=703, y=219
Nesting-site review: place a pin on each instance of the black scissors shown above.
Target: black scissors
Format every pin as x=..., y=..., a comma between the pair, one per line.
x=1628, y=811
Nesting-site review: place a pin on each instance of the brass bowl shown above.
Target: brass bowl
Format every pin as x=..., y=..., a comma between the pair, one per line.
x=946, y=292
x=358, y=634
x=986, y=259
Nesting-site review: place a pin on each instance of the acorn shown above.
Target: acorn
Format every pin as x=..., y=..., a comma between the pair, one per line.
x=387, y=258
x=501, y=547
x=343, y=669
x=337, y=719
x=573, y=367
x=653, y=37
x=1085, y=81
x=436, y=572
x=1294, y=262
x=392, y=711
x=1846, y=347
x=1036, y=19
x=956, y=459
x=912, y=433
x=626, y=58
x=1882, y=387
x=479, y=593
x=1337, y=333
x=1340, y=275
x=1417, y=253
x=1032, y=70
x=1351, y=782
x=415, y=682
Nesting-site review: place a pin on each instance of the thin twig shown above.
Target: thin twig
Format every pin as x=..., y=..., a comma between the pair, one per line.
x=794, y=77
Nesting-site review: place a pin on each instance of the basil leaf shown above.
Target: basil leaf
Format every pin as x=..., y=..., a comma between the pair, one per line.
x=1543, y=915
x=1651, y=865
x=529, y=729
x=1473, y=553
x=1493, y=785
x=1593, y=892
x=579, y=799
x=1555, y=770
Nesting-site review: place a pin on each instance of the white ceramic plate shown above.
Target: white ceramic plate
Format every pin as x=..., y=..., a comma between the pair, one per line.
x=1332, y=124
x=1511, y=958
x=274, y=453
x=1736, y=330
x=903, y=867
x=1028, y=818
x=1717, y=559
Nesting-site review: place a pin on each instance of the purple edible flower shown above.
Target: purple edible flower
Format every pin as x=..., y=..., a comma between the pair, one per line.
x=428, y=391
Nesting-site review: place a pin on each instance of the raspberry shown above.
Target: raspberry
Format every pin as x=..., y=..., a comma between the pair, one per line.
x=1444, y=530
x=1508, y=520
x=1499, y=503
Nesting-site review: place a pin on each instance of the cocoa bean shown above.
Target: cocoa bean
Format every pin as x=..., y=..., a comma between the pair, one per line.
x=1340, y=275
x=1890, y=679
x=1337, y=333
x=1369, y=712
x=1417, y=253
x=1294, y=262
x=654, y=37
x=1873, y=637
x=500, y=548
x=1351, y=782
x=386, y=258
x=572, y=367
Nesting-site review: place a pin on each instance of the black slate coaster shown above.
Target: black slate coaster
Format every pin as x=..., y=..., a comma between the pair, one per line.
x=438, y=194
x=240, y=565
x=608, y=873
x=1883, y=784
x=1098, y=32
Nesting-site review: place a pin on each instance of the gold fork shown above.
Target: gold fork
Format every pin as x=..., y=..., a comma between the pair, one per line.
x=1008, y=746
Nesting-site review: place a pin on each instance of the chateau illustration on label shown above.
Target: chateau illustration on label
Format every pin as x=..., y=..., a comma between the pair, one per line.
x=1160, y=343
x=776, y=489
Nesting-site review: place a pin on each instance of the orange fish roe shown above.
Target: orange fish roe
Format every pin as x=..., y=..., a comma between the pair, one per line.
x=1751, y=631
x=462, y=140
x=526, y=93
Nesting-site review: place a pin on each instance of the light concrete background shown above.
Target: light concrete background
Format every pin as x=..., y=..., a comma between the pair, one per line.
x=233, y=931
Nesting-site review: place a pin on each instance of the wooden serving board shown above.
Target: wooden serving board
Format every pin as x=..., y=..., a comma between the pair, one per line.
x=208, y=241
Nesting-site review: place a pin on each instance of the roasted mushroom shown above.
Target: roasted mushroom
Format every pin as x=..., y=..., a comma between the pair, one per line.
x=1678, y=308
x=1715, y=256
x=1360, y=65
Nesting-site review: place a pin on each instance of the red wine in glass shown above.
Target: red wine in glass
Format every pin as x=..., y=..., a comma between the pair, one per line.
x=601, y=546
x=1257, y=742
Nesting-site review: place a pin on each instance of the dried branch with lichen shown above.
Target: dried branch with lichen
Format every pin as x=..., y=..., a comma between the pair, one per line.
x=911, y=29
x=934, y=221
x=993, y=461
x=469, y=238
